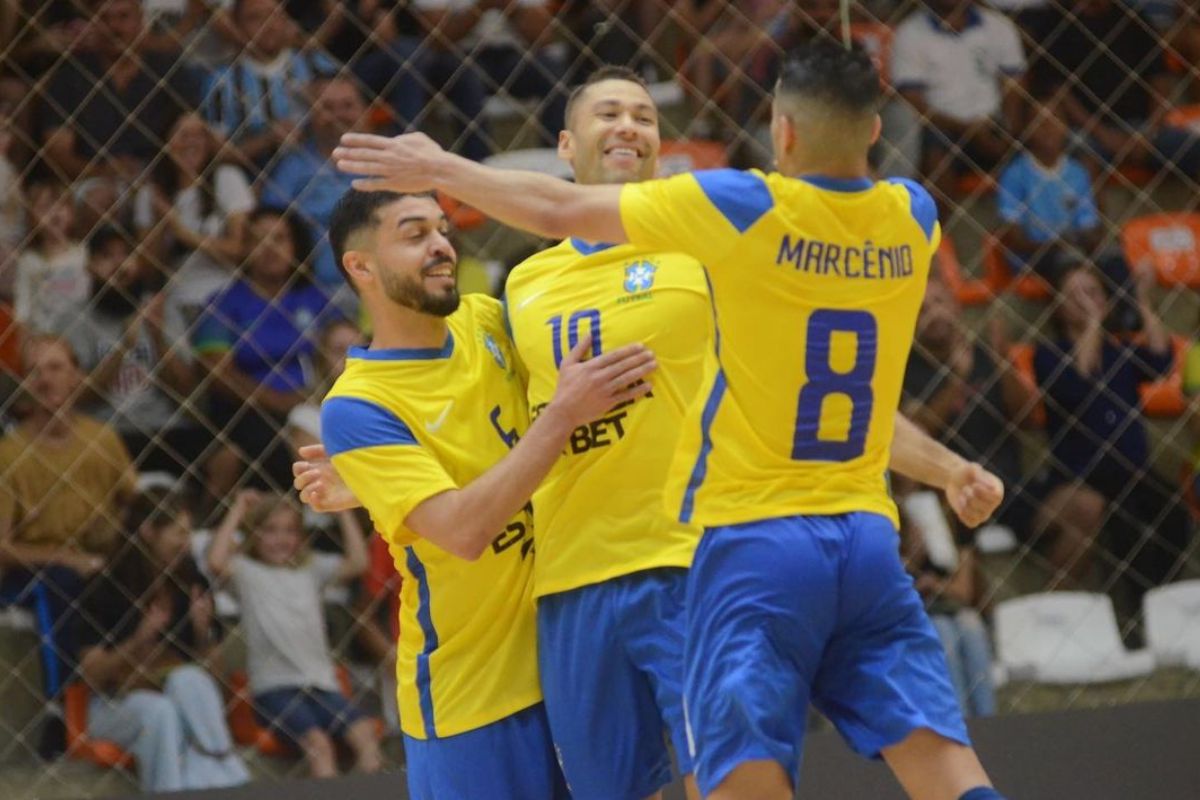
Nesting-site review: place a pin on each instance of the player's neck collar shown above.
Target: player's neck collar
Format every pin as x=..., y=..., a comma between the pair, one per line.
x=837, y=184
x=587, y=248
x=406, y=353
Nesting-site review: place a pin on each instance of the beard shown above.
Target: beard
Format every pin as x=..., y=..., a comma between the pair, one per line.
x=411, y=292
x=117, y=301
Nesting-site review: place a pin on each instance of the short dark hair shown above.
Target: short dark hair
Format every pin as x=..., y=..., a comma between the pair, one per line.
x=833, y=75
x=103, y=236
x=355, y=211
x=608, y=72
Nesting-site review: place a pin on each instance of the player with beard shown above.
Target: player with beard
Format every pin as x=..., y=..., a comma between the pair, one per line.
x=123, y=341
x=428, y=426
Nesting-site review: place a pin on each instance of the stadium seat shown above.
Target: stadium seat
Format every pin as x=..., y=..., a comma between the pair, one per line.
x=244, y=725
x=999, y=275
x=1164, y=398
x=1065, y=637
x=1169, y=242
x=688, y=155
x=1187, y=117
x=100, y=752
x=1173, y=623
x=968, y=291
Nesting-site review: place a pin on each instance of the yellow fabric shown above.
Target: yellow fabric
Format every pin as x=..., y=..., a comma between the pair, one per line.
x=468, y=626
x=806, y=259
x=600, y=512
x=68, y=493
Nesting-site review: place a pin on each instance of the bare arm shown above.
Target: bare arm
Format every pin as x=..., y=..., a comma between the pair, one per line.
x=224, y=546
x=354, y=548
x=530, y=201
x=973, y=492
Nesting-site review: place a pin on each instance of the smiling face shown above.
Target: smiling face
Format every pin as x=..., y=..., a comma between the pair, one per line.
x=408, y=256
x=612, y=134
x=188, y=144
x=278, y=538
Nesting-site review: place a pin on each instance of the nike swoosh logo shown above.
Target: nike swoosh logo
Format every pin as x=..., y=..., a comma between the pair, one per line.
x=530, y=299
x=433, y=427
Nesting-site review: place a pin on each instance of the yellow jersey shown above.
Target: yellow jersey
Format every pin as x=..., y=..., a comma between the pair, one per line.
x=600, y=512
x=402, y=426
x=816, y=283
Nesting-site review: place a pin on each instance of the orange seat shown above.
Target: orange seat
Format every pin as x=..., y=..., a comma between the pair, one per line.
x=245, y=727
x=462, y=216
x=974, y=183
x=1021, y=358
x=100, y=752
x=1187, y=117
x=998, y=274
x=968, y=291
x=687, y=155
x=1169, y=243
x=1164, y=397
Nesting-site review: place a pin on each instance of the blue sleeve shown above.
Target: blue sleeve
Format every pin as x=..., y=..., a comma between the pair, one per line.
x=741, y=197
x=1009, y=194
x=921, y=204
x=351, y=423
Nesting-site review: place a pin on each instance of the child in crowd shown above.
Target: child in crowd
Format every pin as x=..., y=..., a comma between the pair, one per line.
x=278, y=583
x=52, y=283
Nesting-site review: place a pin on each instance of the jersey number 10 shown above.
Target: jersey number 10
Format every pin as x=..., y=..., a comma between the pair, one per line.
x=590, y=316
x=823, y=381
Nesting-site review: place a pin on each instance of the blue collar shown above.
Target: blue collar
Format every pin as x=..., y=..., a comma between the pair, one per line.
x=587, y=249
x=405, y=353
x=838, y=184
x=973, y=18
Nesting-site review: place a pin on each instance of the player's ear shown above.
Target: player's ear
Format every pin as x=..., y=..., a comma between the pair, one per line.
x=566, y=145
x=877, y=128
x=356, y=265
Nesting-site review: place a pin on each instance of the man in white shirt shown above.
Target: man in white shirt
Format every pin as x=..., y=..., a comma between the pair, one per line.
x=958, y=65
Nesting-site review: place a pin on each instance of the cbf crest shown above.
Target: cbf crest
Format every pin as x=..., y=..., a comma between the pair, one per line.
x=639, y=276
x=495, y=350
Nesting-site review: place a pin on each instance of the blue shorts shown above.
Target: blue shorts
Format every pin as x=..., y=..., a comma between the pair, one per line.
x=784, y=612
x=291, y=712
x=610, y=657
x=510, y=759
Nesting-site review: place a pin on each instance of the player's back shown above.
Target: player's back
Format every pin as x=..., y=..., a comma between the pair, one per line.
x=402, y=426
x=817, y=283
x=600, y=512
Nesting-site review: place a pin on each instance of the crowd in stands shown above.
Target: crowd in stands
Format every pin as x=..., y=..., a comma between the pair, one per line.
x=171, y=312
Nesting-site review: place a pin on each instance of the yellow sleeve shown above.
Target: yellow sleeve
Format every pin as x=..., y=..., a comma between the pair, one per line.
x=378, y=457
x=703, y=214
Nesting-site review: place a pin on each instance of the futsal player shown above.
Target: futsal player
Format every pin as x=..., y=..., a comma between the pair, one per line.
x=429, y=428
x=796, y=592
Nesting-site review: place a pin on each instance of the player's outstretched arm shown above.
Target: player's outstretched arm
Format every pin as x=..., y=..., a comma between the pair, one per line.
x=465, y=521
x=530, y=201
x=972, y=491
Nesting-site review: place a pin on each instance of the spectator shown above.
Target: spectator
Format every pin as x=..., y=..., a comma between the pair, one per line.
x=411, y=68
x=51, y=272
x=307, y=179
x=148, y=634
x=1046, y=199
x=133, y=345
x=106, y=112
x=260, y=100
x=959, y=65
x=192, y=213
x=612, y=32
x=377, y=613
x=955, y=601
x=12, y=205
x=304, y=421
x=964, y=392
x=279, y=583
x=1116, y=93
x=65, y=481
x=257, y=339
x=1101, y=466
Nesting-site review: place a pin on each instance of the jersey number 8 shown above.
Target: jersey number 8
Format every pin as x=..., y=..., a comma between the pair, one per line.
x=823, y=381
